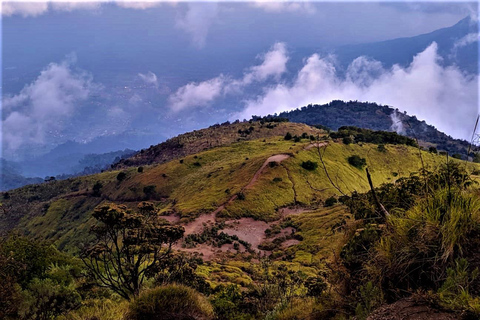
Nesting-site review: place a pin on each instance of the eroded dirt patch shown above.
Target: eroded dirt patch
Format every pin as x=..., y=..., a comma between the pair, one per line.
x=247, y=229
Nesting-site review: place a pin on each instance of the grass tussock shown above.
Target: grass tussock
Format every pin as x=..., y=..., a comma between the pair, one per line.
x=172, y=302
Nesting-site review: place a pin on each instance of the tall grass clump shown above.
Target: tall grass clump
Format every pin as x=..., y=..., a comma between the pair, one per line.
x=172, y=302
x=423, y=242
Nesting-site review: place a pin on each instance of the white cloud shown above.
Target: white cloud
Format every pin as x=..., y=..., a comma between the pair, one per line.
x=284, y=6
x=203, y=93
x=198, y=20
x=444, y=96
x=42, y=108
x=141, y=5
x=466, y=40
x=196, y=94
x=25, y=9
x=149, y=78
x=274, y=64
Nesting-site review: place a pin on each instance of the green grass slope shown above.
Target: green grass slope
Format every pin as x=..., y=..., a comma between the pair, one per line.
x=197, y=184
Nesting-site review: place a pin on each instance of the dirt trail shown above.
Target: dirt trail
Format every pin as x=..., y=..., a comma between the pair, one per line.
x=196, y=226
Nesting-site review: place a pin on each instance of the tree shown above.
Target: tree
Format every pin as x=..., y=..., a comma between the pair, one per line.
x=433, y=150
x=288, y=136
x=128, y=247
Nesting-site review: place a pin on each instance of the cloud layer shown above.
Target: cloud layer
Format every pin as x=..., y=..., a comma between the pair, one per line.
x=200, y=94
x=42, y=108
x=444, y=96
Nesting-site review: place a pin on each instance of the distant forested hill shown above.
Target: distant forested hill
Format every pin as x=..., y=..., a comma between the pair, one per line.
x=376, y=117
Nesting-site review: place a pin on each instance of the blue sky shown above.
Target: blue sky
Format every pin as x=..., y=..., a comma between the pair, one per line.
x=79, y=71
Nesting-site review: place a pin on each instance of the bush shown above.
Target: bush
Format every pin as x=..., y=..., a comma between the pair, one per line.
x=357, y=161
x=97, y=187
x=426, y=238
x=288, y=136
x=330, y=201
x=140, y=169
x=347, y=140
x=309, y=165
x=149, y=191
x=172, y=302
x=381, y=148
x=121, y=176
x=432, y=150
x=46, y=299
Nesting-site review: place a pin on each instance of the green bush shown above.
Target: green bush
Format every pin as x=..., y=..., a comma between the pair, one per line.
x=357, y=161
x=46, y=299
x=309, y=165
x=121, y=176
x=330, y=201
x=347, y=140
x=423, y=241
x=172, y=302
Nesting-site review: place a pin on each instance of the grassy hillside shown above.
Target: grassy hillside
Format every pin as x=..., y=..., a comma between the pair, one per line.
x=214, y=136
x=199, y=184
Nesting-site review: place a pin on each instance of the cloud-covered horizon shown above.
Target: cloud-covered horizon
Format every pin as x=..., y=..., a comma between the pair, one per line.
x=444, y=96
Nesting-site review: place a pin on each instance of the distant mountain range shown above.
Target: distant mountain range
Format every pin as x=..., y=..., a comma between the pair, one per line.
x=63, y=166
x=452, y=43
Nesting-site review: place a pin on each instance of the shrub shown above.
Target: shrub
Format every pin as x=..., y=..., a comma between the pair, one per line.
x=140, y=169
x=432, y=150
x=197, y=164
x=457, y=156
x=296, y=139
x=357, y=161
x=121, y=176
x=381, y=148
x=330, y=201
x=347, y=140
x=97, y=187
x=149, y=191
x=172, y=302
x=426, y=238
x=272, y=164
x=288, y=136
x=46, y=299
x=309, y=165
x=240, y=196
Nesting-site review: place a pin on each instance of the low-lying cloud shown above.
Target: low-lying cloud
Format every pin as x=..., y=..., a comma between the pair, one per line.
x=442, y=95
x=200, y=94
x=42, y=108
